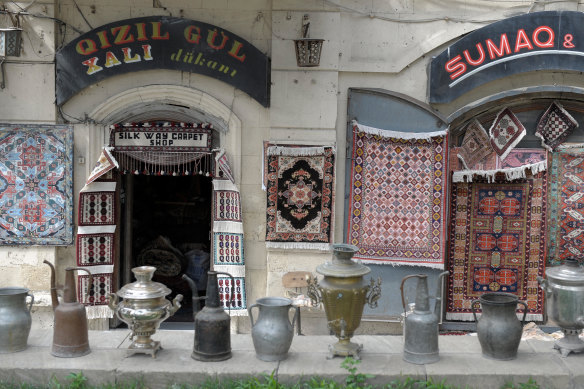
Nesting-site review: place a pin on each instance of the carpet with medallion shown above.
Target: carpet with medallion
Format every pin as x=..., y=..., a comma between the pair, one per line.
x=497, y=243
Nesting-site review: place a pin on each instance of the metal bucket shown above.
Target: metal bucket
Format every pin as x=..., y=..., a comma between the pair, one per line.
x=15, y=319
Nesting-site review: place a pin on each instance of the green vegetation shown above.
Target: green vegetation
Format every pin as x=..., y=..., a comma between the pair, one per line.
x=354, y=380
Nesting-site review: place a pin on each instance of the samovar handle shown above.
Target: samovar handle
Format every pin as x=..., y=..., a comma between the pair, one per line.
x=175, y=304
x=374, y=293
x=112, y=301
x=312, y=291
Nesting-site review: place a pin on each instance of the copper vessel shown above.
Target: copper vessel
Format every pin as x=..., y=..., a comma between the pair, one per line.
x=70, y=333
x=344, y=293
x=143, y=309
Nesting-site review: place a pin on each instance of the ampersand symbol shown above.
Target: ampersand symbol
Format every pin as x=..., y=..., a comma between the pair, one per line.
x=568, y=41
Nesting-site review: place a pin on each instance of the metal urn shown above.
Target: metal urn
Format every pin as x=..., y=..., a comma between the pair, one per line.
x=344, y=293
x=144, y=307
x=564, y=289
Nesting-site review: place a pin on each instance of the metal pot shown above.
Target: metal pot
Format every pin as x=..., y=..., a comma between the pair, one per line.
x=272, y=332
x=15, y=319
x=564, y=288
x=144, y=307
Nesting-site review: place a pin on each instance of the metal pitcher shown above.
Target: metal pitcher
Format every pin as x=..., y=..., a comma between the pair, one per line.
x=272, y=332
x=70, y=332
x=212, y=324
x=15, y=319
x=498, y=329
x=421, y=327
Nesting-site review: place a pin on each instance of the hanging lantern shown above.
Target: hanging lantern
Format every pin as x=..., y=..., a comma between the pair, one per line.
x=307, y=49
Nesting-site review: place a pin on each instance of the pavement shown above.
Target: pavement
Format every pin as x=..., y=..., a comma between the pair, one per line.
x=461, y=362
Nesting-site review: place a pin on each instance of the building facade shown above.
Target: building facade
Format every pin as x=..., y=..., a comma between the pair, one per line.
x=214, y=146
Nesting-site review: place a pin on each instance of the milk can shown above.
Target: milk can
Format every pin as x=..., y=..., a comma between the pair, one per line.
x=273, y=331
x=15, y=319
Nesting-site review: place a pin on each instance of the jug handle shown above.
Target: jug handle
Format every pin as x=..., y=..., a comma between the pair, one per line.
x=232, y=288
x=474, y=313
x=402, y=289
x=250, y=314
x=89, y=284
x=524, y=311
x=31, y=300
x=296, y=312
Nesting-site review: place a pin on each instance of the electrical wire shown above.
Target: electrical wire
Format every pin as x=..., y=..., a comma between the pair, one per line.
x=83, y=16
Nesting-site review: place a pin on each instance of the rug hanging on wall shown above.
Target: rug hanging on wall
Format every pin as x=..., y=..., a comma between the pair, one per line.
x=227, y=253
x=554, y=126
x=566, y=206
x=398, y=195
x=497, y=243
x=475, y=145
x=506, y=132
x=300, y=192
x=36, y=185
x=95, y=246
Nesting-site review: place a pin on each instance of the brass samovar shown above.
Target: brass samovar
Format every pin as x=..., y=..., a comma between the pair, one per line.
x=344, y=292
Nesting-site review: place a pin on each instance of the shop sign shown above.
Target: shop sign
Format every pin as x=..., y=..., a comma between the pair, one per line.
x=172, y=138
x=162, y=43
x=537, y=41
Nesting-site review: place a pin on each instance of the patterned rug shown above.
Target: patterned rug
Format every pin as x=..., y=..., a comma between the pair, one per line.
x=95, y=246
x=227, y=254
x=36, y=187
x=300, y=191
x=506, y=132
x=496, y=243
x=475, y=145
x=566, y=206
x=397, y=199
x=554, y=126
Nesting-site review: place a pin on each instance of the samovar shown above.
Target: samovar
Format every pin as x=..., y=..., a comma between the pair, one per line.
x=344, y=293
x=143, y=309
x=564, y=290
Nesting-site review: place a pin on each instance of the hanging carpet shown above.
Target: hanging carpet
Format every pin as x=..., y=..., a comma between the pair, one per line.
x=566, y=206
x=398, y=195
x=497, y=243
x=36, y=186
x=300, y=192
x=554, y=126
x=227, y=246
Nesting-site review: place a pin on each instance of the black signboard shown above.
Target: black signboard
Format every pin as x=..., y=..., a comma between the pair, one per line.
x=536, y=41
x=162, y=43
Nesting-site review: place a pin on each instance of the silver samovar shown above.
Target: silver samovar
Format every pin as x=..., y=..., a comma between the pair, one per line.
x=564, y=289
x=344, y=293
x=143, y=309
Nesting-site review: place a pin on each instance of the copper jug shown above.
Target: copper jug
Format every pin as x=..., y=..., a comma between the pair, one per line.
x=70, y=334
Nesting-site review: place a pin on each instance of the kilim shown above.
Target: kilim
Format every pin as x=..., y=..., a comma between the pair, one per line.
x=497, y=243
x=300, y=192
x=227, y=254
x=397, y=199
x=104, y=165
x=554, y=126
x=566, y=206
x=522, y=157
x=36, y=187
x=96, y=246
x=476, y=145
x=506, y=132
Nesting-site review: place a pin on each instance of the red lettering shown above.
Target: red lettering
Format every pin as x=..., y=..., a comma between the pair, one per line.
x=156, y=34
x=237, y=45
x=522, y=41
x=141, y=30
x=92, y=66
x=501, y=50
x=549, y=42
x=121, y=34
x=475, y=62
x=454, y=66
x=211, y=39
x=193, y=38
x=102, y=35
x=86, y=47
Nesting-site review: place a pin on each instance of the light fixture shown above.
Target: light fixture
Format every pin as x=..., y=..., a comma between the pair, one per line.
x=307, y=49
x=10, y=37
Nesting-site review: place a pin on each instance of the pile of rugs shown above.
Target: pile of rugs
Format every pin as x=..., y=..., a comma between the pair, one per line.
x=481, y=210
